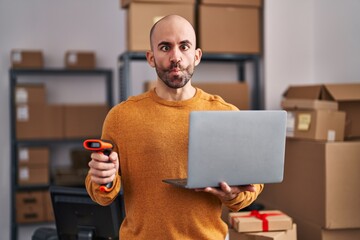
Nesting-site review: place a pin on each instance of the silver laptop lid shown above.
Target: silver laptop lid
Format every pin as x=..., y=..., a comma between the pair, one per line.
x=238, y=147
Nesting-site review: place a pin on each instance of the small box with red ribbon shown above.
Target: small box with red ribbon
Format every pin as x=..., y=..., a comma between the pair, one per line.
x=260, y=221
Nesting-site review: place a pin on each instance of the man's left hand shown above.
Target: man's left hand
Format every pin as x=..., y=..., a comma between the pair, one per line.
x=226, y=192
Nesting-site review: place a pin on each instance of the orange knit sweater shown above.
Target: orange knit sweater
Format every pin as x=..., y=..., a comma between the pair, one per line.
x=151, y=136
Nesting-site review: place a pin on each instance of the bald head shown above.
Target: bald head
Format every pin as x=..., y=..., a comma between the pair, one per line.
x=168, y=26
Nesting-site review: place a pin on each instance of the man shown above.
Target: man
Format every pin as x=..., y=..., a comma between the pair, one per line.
x=150, y=134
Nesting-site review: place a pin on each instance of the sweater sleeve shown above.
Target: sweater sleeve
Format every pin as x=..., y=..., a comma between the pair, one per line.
x=105, y=198
x=244, y=199
x=102, y=198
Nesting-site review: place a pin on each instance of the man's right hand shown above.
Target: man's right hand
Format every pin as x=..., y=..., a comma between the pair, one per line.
x=103, y=169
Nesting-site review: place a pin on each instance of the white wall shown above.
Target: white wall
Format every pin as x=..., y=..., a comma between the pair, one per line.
x=337, y=37
x=306, y=41
x=310, y=41
x=289, y=53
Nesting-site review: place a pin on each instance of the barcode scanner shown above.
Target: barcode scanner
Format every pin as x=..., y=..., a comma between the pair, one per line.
x=103, y=146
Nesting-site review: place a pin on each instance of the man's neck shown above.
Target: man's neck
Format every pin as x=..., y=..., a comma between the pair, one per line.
x=172, y=94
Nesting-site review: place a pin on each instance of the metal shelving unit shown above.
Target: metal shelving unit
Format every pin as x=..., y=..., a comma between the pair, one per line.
x=14, y=75
x=125, y=59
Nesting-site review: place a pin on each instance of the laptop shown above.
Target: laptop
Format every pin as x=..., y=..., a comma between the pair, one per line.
x=237, y=147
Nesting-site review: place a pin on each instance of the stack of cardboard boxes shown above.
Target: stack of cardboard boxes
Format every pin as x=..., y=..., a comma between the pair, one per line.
x=231, y=26
x=322, y=161
x=261, y=225
x=36, y=119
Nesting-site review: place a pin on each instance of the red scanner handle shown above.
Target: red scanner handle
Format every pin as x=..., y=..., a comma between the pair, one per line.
x=97, y=145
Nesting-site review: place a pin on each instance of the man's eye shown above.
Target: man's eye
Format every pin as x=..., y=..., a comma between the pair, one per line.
x=165, y=48
x=184, y=47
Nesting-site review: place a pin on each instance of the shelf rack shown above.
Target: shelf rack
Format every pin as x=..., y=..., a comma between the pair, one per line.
x=14, y=74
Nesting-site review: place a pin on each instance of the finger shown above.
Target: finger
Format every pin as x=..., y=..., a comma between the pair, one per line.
x=102, y=173
x=99, y=156
x=225, y=187
x=101, y=166
x=101, y=181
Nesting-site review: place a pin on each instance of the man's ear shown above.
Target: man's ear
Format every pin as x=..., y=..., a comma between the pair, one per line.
x=198, y=55
x=150, y=58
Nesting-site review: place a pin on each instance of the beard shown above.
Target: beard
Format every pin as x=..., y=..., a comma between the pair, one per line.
x=178, y=79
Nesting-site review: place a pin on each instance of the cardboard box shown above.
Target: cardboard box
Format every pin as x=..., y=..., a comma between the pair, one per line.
x=33, y=156
x=142, y=16
x=320, y=183
x=84, y=120
x=309, y=230
x=322, y=125
x=306, y=104
x=275, y=235
x=126, y=3
x=229, y=29
x=29, y=59
x=68, y=176
x=82, y=60
x=30, y=94
x=38, y=121
x=260, y=221
x=33, y=175
x=236, y=93
x=346, y=95
x=249, y=3
x=29, y=207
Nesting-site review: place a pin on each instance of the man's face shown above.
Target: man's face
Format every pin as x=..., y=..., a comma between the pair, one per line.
x=174, y=54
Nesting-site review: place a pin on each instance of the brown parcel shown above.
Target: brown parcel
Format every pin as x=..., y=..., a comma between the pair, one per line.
x=84, y=120
x=322, y=125
x=249, y=3
x=276, y=235
x=234, y=93
x=246, y=222
x=126, y=3
x=29, y=207
x=320, y=183
x=30, y=94
x=306, y=104
x=38, y=121
x=33, y=156
x=229, y=29
x=310, y=231
x=346, y=95
x=82, y=60
x=33, y=175
x=142, y=16
x=28, y=59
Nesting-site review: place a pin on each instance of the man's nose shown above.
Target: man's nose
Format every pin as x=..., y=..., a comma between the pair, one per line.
x=175, y=56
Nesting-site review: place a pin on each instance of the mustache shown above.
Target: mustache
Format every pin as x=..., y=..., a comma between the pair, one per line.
x=175, y=65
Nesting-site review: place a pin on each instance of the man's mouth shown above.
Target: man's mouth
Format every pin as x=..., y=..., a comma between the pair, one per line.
x=175, y=70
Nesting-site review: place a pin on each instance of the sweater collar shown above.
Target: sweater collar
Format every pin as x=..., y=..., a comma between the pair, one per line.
x=162, y=101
